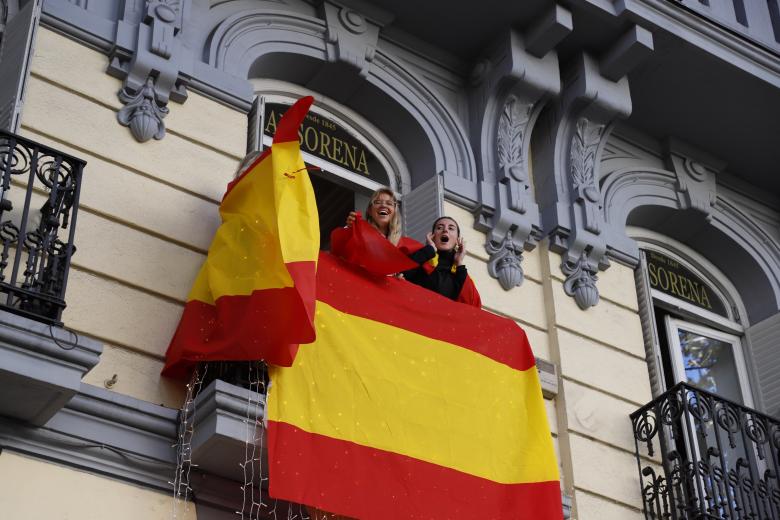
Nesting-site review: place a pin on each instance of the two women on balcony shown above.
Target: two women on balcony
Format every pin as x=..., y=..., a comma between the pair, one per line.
x=439, y=263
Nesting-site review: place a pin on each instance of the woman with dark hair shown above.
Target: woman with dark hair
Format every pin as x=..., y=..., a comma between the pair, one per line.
x=443, y=270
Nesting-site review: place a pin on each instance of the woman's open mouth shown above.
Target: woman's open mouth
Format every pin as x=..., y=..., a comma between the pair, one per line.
x=383, y=212
x=444, y=239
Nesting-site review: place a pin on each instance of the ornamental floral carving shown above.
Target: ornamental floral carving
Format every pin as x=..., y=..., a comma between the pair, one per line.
x=512, y=125
x=584, y=145
x=142, y=113
x=582, y=161
x=581, y=281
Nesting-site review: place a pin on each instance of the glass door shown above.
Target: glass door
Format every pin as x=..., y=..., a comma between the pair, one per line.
x=718, y=454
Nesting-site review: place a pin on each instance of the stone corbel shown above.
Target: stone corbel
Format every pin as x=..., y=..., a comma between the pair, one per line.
x=696, y=174
x=510, y=87
x=151, y=59
x=595, y=95
x=352, y=33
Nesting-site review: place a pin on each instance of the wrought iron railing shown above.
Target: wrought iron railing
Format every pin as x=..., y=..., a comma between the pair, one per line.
x=704, y=457
x=39, y=198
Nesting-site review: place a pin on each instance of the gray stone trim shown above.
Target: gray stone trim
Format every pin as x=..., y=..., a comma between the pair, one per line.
x=510, y=87
x=104, y=433
x=41, y=367
x=75, y=21
x=627, y=189
x=240, y=40
x=666, y=16
x=235, y=41
x=225, y=418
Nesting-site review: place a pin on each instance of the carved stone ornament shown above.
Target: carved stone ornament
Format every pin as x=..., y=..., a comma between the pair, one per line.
x=582, y=162
x=581, y=282
x=509, y=89
x=149, y=55
x=505, y=262
x=584, y=143
x=509, y=141
x=352, y=38
x=142, y=113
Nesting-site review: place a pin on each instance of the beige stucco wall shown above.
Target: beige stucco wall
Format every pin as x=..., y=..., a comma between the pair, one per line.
x=148, y=211
x=31, y=489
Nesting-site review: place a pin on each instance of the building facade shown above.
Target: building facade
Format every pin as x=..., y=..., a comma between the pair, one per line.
x=612, y=165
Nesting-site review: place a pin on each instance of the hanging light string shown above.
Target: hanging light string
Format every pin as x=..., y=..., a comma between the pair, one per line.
x=181, y=481
x=252, y=505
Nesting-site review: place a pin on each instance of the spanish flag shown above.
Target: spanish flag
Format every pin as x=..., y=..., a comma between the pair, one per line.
x=410, y=406
x=254, y=296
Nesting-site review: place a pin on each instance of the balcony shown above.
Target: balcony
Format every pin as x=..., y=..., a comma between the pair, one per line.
x=703, y=457
x=39, y=198
x=41, y=363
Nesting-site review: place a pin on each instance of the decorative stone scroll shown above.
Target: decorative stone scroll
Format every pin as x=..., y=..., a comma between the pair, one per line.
x=595, y=95
x=579, y=123
x=511, y=86
x=352, y=36
x=149, y=57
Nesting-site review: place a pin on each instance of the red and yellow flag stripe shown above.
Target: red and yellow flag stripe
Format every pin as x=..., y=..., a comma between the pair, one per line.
x=409, y=405
x=255, y=293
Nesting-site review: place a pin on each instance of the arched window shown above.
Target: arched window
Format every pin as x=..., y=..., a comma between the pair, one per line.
x=696, y=318
x=353, y=156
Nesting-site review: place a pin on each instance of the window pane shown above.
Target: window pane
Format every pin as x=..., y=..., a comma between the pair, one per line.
x=709, y=364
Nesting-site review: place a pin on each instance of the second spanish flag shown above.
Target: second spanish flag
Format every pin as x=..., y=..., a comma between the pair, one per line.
x=254, y=296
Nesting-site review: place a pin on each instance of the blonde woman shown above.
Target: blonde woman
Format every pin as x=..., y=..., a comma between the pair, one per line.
x=382, y=213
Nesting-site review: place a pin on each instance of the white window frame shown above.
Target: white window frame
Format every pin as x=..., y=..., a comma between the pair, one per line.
x=672, y=327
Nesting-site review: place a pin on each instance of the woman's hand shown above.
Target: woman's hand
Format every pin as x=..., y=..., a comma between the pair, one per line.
x=351, y=218
x=429, y=240
x=460, y=254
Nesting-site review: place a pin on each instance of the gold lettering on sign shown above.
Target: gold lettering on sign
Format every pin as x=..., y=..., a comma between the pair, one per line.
x=318, y=142
x=362, y=166
x=679, y=285
x=270, y=125
x=324, y=144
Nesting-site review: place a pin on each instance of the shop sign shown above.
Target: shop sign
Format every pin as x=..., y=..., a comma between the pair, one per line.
x=329, y=141
x=670, y=277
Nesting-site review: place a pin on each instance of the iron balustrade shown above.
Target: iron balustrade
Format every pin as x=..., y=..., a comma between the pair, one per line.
x=39, y=199
x=718, y=459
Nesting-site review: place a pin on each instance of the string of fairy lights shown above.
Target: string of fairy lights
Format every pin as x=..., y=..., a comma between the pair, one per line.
x=184, y=465
x=254, y=505
x=252, y=488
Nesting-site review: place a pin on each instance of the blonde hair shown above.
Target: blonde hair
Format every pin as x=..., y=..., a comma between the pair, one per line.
x=394, y=228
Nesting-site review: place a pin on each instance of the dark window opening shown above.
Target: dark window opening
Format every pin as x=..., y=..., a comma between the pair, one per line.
x=334, y=202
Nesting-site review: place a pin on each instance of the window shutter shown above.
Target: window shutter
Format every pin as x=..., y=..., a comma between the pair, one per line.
x=764, y=340
x=649, y=327
x=421, y=206
x=16, y=54
x=254, y=134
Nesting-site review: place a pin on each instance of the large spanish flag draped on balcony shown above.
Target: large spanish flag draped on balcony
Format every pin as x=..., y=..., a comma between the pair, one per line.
x=410, y=406
x=254, y=296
